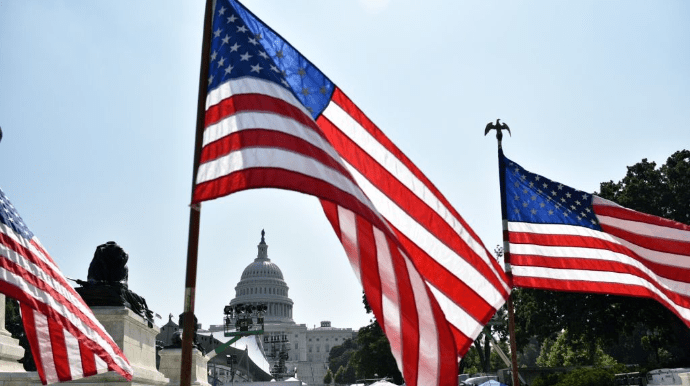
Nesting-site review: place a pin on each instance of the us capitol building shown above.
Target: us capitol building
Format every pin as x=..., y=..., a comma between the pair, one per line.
x=304, y=351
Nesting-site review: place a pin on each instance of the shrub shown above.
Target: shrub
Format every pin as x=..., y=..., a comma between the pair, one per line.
x=547, y=380
x=584, y=376
x=591, y=376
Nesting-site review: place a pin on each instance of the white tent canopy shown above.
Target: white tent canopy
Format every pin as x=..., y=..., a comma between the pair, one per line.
x=251, y=344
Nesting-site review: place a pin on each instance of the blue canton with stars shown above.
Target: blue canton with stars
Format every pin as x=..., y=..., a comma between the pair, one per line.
x=243, y=46
x=12, y=219
x=535, y=199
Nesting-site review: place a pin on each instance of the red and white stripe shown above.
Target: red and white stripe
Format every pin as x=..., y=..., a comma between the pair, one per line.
x=635, y=254
x=66, y=339
x=464, y=278
x=429, y=280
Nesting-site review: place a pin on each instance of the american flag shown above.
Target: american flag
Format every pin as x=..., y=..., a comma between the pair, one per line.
x=274, y=120
x=67, y=341
x=564, y=239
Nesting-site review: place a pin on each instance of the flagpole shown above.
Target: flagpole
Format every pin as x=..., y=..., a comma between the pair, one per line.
x=195, y=209
x=513, y=345
x=506, y=260
x=506, y=245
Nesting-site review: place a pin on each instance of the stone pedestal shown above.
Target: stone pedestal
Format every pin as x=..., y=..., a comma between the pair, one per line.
x=134, y=337
x=171, y=359
x=10, y=353
x=136, y=340
x=685, y=379
x=10, y=350
x=23, y=378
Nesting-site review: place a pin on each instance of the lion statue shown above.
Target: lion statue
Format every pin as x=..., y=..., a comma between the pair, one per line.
x=106, y=282
x=109, y=264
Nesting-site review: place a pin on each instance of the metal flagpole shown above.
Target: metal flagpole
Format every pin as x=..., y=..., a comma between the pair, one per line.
x=195, y=210
x=498, y=126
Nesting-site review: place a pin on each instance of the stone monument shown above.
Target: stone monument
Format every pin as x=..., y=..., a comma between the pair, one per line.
x=10, y=350
x=124, y=314
x=171, y=358
x=106, y=283
x=171, y=362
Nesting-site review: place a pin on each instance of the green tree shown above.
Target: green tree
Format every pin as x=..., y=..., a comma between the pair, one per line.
x=482, y=346
x=373, y=357
x=328, y=378
x=596, y=376
x=527, y=357
x=470, y=364
x=612, y=321
x=339, y=356
x=349, y=376
x=498, y=328
x=663, y=191
x=339, y=360
x=588, y=318
x=339, y=375
x=566, y=352
x=345, y=375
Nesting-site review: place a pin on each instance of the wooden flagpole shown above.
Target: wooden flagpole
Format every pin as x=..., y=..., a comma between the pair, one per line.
x=506, y=247
x=513, y=345
x=195, y=210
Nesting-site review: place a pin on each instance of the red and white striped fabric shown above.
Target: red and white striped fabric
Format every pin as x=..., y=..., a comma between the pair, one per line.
x=429, y=279
x=67, y=341
x=590, y=244
x=465, y=280
x=636, y=254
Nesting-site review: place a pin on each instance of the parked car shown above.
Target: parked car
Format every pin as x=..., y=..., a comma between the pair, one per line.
x=478, y=379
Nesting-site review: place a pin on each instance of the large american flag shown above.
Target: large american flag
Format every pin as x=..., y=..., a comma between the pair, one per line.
x=67, y=341
x=567, y=240
x=274, y=120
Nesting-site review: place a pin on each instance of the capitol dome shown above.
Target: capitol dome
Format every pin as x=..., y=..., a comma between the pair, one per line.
x=262, y=282
x=263, y=268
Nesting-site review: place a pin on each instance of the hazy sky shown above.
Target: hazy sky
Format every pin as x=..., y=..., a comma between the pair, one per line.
x=98, y=108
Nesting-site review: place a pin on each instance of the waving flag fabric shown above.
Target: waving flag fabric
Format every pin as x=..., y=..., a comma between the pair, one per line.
x=567, y=240
x=67, y=341
x=274, y=120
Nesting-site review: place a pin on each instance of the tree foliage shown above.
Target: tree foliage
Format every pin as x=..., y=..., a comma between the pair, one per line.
x=663, y=191
x=328, y=378
x=481, y=350
x=586, y=376
x=567, y=352
x=339, y=356
x=618, y=322
x=345, y=375
x=471, y=364
x=588, y=318
x=339, y=379
x=374, y=358
x=497, y=327
x=365, y=357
